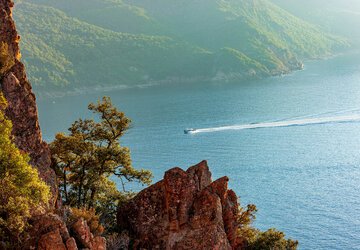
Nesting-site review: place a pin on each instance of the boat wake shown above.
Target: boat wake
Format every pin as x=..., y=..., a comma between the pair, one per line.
x=300, y=122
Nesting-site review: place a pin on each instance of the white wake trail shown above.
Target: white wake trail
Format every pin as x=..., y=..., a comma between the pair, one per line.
x=301, y=122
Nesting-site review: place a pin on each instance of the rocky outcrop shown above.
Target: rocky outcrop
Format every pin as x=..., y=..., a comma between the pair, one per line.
x=22, y=109
x=84, y=238
x=82, y=233
x=50, y=232
x=185, y=210
x=47, y=232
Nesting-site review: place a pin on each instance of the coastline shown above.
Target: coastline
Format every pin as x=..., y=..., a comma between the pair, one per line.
x=231, y=77
x=41, y=95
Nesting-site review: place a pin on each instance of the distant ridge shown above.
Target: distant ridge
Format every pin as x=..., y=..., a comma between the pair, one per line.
x=69, y=45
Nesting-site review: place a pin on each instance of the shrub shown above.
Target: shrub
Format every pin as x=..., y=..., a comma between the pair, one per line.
x=21, y=190
x=6, y=60
x=117, y=241
x=257, y=240
x=272, y=239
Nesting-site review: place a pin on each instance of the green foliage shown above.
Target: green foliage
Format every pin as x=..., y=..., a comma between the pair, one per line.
x=21, y=190
x=6, y=60
x=85, y=159
x=136, y=42
x=3, y=103
x=271, y=239
x=245, y=218
x=63, y=50
x=108, y=202
x=257, y=240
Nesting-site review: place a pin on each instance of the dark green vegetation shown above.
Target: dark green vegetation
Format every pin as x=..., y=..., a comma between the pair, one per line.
x=85, y=159
x=80, y=44
x=258, y=240
x=21, y=190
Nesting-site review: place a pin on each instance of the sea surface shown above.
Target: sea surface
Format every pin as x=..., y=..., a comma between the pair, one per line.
x=290, y=144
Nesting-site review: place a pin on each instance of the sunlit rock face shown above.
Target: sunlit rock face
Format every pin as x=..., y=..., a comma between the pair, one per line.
x=50, y=232
x=22, y=109
x=185, y=210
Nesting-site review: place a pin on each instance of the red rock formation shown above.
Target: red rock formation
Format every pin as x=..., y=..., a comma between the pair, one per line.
x=71, y=244
x=51, y=240
x=82, y=233
x=185, y=210
x=49, y=232
x=84, y=238
x=22, y=109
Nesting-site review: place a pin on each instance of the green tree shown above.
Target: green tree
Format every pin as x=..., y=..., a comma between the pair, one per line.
x=86, y=158
x=258, y=240
x=246, y=217
x=271, y=239
x=21, y=190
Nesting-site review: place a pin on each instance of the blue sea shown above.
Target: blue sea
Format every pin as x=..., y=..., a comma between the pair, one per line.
x=290, y=144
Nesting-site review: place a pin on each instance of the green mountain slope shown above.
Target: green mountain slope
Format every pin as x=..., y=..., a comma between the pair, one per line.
x=69, y=44
x=61, y=51
x=338, y=17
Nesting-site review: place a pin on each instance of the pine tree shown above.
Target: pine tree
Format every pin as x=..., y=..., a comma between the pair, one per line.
x=86, y=158
x=256, y=239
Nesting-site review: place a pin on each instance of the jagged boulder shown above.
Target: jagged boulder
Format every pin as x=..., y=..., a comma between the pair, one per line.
x=84, y=238
x=82, y=233
x=51, y=241
x=185, y=210
x=71, y=244
x=49, y=232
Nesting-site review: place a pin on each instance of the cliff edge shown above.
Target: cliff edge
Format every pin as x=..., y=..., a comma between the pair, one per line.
x=49, y=231
x=22, y=109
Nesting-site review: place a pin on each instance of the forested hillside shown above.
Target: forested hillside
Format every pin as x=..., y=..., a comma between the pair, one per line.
x=68, y=45
x=338, y=17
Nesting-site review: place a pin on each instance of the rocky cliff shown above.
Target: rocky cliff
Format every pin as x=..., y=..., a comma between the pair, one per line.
x=185, y=210
x=22, y=109
x=49, y=231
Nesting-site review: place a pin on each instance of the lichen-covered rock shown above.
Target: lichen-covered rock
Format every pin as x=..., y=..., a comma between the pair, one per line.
x=49, y=231
x=81, y=233
x=50, y=225
x=99, y=243
x=185, y=210
x=22, y=109
x=84, y=238
x=71, y=244
x=51, y=241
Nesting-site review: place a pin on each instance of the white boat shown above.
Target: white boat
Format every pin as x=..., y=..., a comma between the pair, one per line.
x=189, y=131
